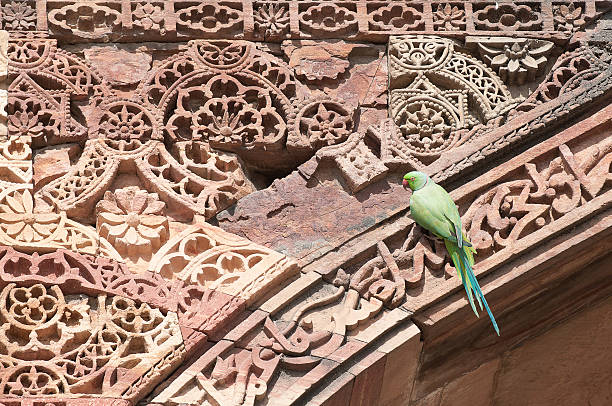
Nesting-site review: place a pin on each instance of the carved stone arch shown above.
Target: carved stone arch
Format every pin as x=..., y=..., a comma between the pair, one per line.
x=413, y=57
x=53, y=86
x=40, y=59
x=205, y=60
x=257, y=110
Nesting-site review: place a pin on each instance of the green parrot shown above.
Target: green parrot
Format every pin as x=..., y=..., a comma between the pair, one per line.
x=433, y=209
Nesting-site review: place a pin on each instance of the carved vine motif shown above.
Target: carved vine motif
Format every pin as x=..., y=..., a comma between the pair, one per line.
x=76, y=339
x=571, y=69
x=497, y=220
x=436, y=91
x=514, y=209
x=317, y=329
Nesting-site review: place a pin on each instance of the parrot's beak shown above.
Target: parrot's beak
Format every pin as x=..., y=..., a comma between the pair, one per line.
x=405, y=184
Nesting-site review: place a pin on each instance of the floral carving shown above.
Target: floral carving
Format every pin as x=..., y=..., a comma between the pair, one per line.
x=233, y=97
x=86, y=20
x=427, y=128
x=449, y=17
x=209, y=18
x=396, y=17
x=18, y=15
x=148, y=16
x=22, y=122
x=271, y=21
x=42, y=116
x=329, y=18
x=517, y=61
x=74, y=339
x=324, y=122
x=568, y=17
x=19, y=222
x=224, y=121
x=432, y=89
x=126, y=120
x=28, y=231
x=131, y=220
x=192, y=179
x=508, y=17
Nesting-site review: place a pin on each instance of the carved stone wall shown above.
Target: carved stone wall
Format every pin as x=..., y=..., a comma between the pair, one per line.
x=200, y=201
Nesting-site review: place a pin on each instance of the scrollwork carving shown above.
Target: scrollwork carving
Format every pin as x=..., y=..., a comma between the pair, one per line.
x=74, y=340
x=206, y=256
x=510, y=211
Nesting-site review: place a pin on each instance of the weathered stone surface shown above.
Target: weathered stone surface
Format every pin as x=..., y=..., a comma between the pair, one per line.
x=354, y=73
x=576, y=369
x=52, y=163
x=118, y=66
x=275, y=216
x=474, y=388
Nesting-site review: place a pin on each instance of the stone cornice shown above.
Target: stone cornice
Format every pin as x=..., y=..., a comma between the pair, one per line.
x=125, y=21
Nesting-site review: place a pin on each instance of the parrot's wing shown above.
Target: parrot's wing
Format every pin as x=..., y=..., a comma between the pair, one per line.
x=426, y=211
x=449, y=211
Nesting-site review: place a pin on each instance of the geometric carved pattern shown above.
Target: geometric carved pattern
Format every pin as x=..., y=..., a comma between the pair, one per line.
x=114, y=288
x=239, y=99
x=99, y=338
x=200, y=181
x=206, y=256
x=437, y=91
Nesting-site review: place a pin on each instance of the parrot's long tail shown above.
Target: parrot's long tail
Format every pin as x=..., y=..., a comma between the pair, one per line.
x=463, y=258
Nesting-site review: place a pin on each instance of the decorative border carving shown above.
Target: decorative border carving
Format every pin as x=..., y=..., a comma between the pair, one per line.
x=274, y=21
